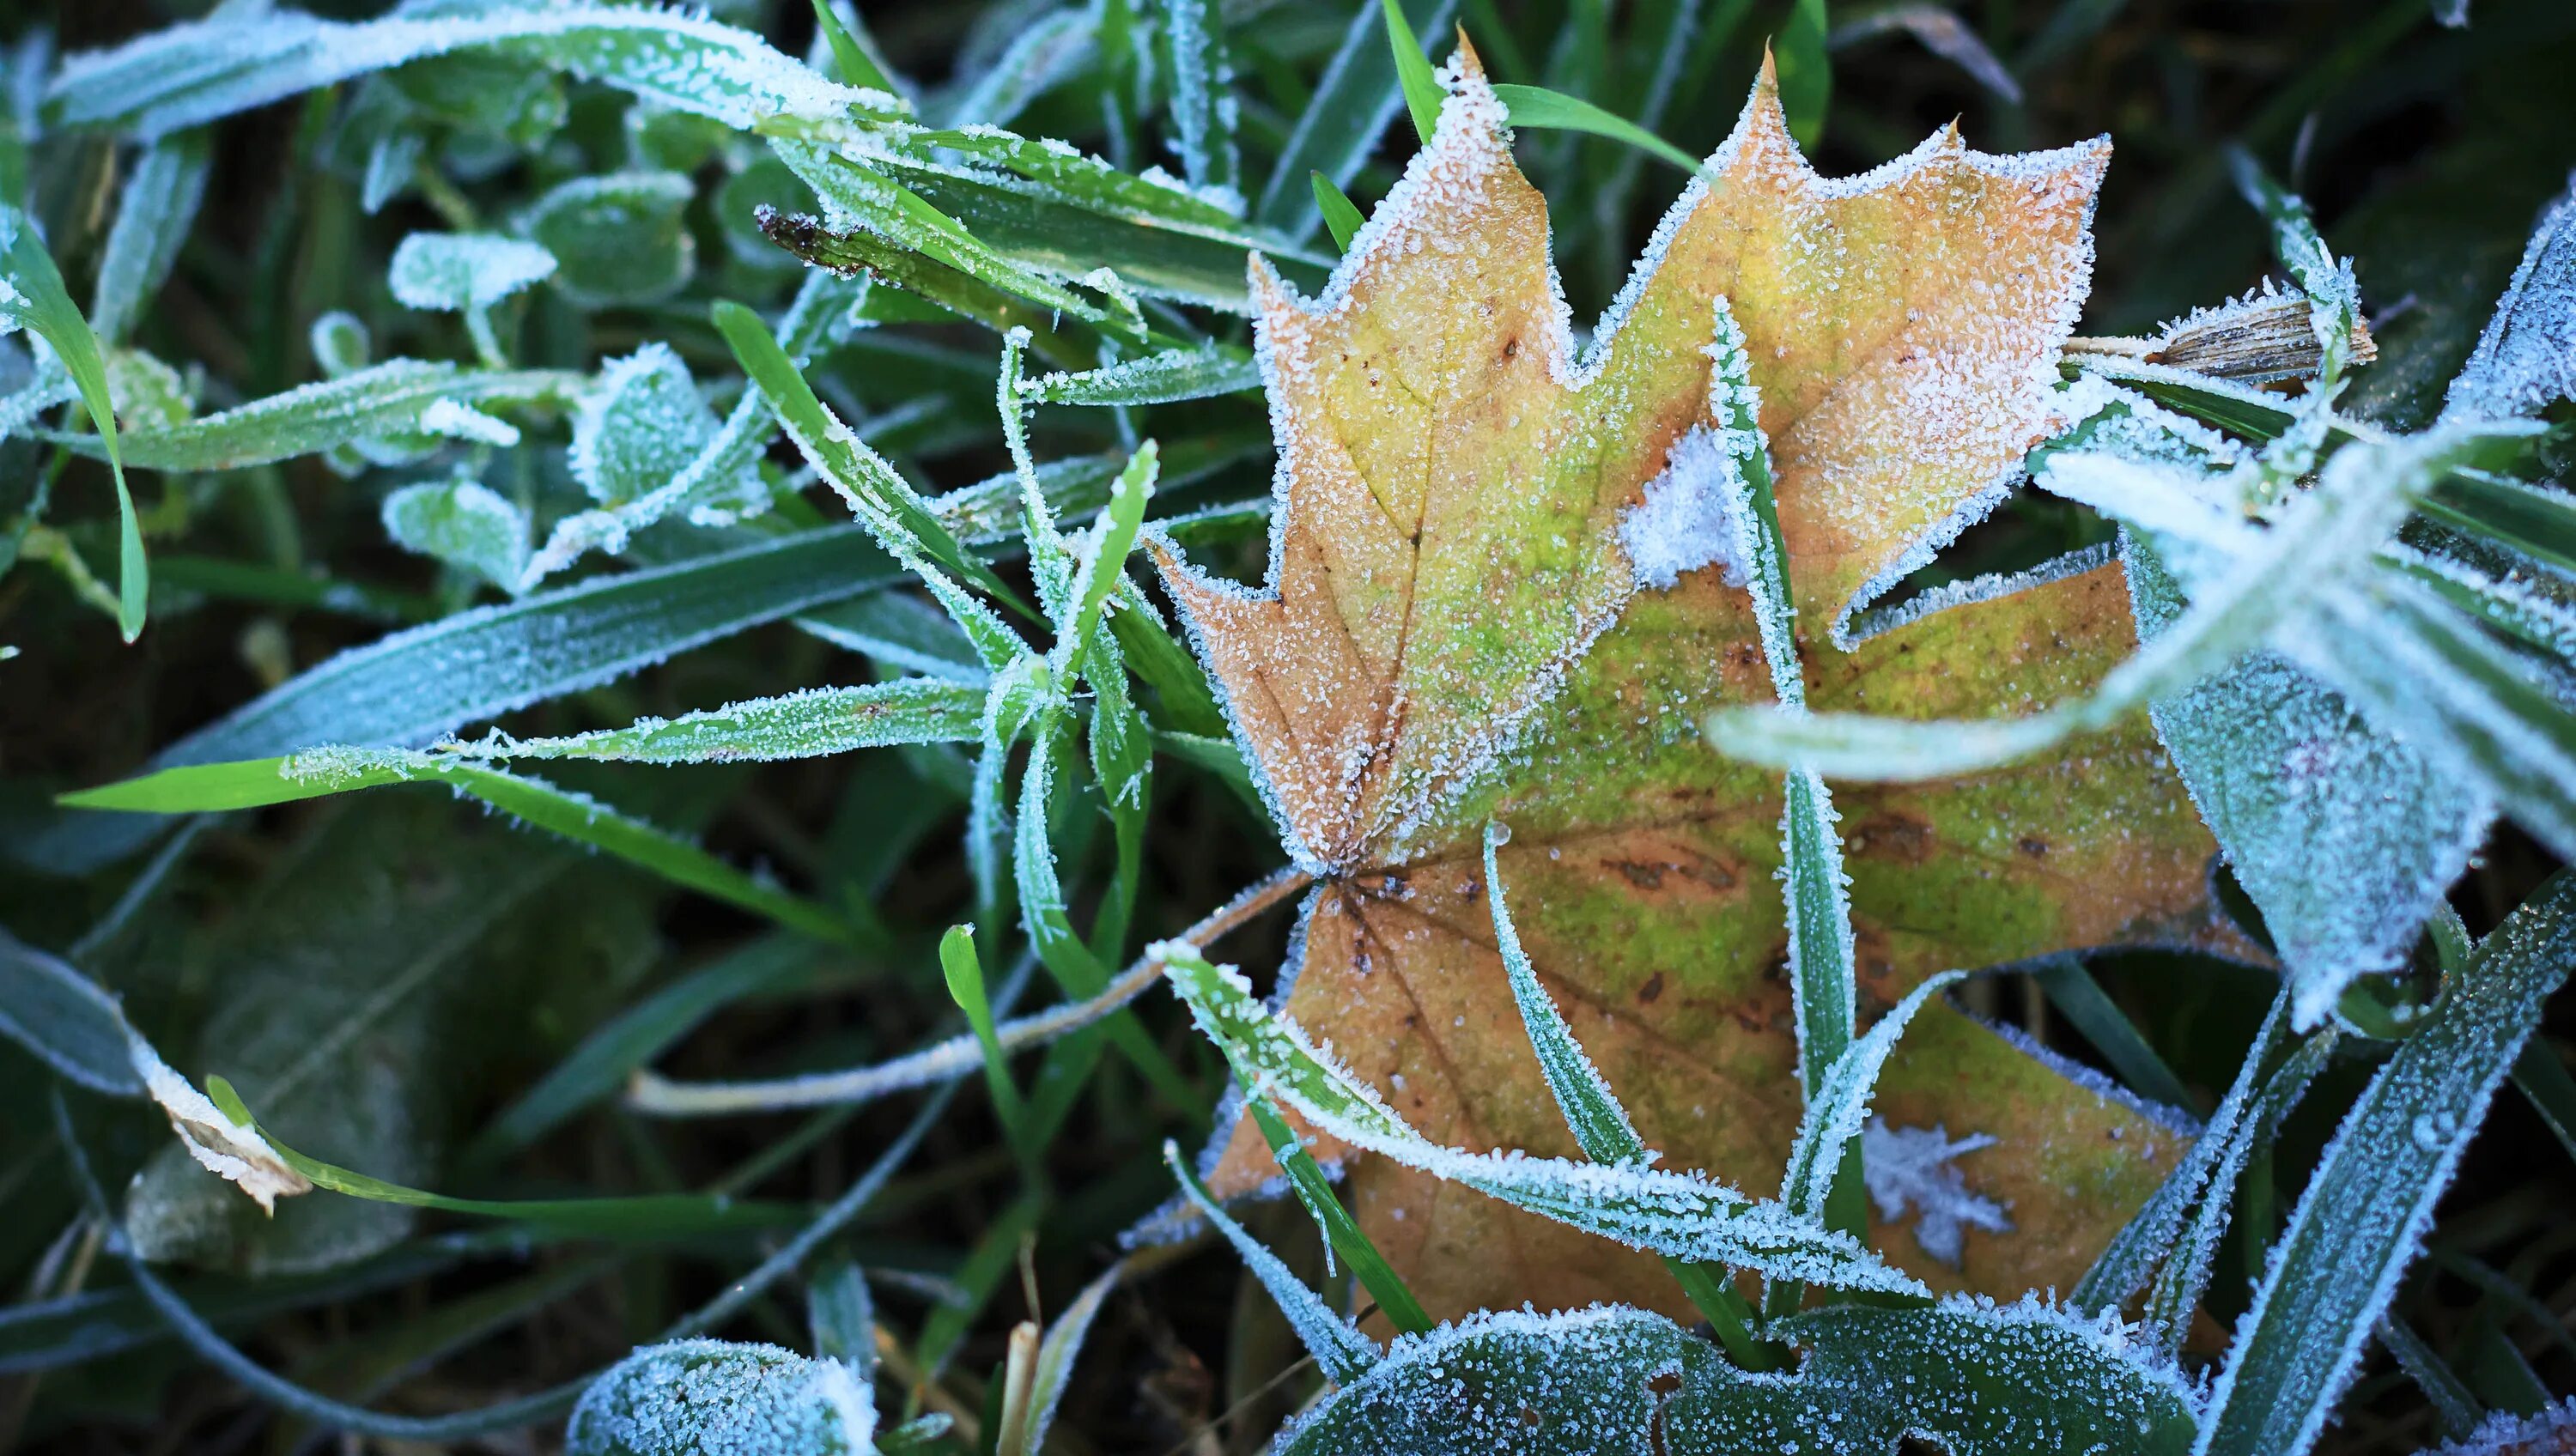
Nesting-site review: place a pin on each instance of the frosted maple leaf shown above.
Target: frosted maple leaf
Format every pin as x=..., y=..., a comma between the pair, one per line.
x=1489, y=598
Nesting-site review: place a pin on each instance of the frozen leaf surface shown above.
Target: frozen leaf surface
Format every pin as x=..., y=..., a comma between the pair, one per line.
x=1916, y=1168
x=2527, y=356
x=642, y=426
x=1604, y=1380
x=2345, y=836
x=716, y=1398
x=453, y=272
x=464, y=523
x=1499, y=590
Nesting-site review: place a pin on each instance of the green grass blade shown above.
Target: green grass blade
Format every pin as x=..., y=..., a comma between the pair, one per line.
x=600, y=1217
x=2524, y=517
x=809, y=724
x=32, y=297
x=1537, y=106
x=1161, y=378
x=2081, y=1000
x=1340, y=1351
x=878, y=495
x=1342, y=1233
x=1342, y=217
x=965, y=977
x=206, y=788
x=1422, y=93
x=2545, y=1082
x=1806, y=73
x=856, y=67
x=2362, y=1218
x=1353, y=101
x=154, y=211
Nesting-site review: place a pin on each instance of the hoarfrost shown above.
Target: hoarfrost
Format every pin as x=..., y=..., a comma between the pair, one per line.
x=1685, y=522
x=2527, y=356
x=641, y=426
x=463, y=523
x=1911, y=1167
x=2548, y=1432
x=716, y=1398
x=458, y=272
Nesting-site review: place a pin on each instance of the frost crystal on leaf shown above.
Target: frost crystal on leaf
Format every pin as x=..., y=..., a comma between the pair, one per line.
x=1910, y=1167
x=1684, y=522
x=454, y=272
x=463, y=523
x=2527, y=356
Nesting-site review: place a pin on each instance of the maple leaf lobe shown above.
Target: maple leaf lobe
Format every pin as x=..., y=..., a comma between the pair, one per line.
x=1452, y=632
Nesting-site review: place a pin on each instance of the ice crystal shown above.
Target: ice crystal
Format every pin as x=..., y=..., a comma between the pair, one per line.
x=1912, y=1167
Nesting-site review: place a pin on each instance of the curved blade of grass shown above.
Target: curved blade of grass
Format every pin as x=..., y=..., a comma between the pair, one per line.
x=154, y=211
x=66, y=1019
x=1422, y=93
x=252, y=783
x=2081, y=1000
x=1592, y=1112
x=611, y=1217
x=409, y=688
x=395, y=398
x=2363, y=1216
x=1340, y=1350
x=809, y=724
x=965, y=977
x=1354, y=99
x=1681, y=1215
x=1343, y=1235
x=1537, y=106
x=874, y=491
x=856, y=68
x=2337, y=527
x=190, y=74
x=1163, y=378
x=1342, y=217
x=32, y=297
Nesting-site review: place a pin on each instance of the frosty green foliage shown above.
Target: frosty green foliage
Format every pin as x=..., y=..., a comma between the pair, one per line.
x=2345, y=836
x=193, y=73
x=642, y=425
x=1838, y=1104
x=2526, y=359
x=2506, y=1434
x=32, y=298
x=153, y=214
x=1975, y=1379
x=66, y=1019
x=461, y=272
x=1203, y=104
x=1164, y=378
x=463, y=523
x=716, y=1398
x=808, y=724
x=2366, y=1208
x=1354, y=100
x=1340, y=1350
x=340, y=343
x=398, y=409
x=621, y=238
x=1684, y=1216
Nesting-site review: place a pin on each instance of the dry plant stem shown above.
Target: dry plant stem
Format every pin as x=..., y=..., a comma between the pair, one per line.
x=958, y=1056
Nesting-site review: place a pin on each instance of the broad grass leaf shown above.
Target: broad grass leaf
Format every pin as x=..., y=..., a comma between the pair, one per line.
x=189, y=74
x=2345, y=836
x=1453, y=632
x=458, y=272
x=408, y=688
x=1974, y=1379
x=2363, y=1216
x=705, y=1397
